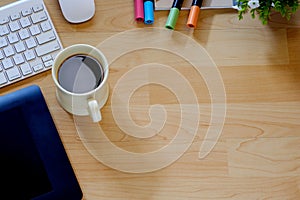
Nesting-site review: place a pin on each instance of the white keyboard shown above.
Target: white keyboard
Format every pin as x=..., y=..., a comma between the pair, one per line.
x=28, y=41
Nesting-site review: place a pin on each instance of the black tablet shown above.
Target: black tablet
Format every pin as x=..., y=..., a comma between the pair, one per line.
x=34, y=164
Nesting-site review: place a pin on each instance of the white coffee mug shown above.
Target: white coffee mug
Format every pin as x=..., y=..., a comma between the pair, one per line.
x=81, y=87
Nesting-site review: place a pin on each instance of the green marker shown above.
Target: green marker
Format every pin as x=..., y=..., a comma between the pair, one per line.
x=174, y=13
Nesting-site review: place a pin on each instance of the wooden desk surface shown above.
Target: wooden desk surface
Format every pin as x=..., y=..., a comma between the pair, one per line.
x=258, y=153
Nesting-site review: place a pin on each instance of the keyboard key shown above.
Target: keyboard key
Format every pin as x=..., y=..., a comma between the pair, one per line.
x=13, y=38
x=34, y=30
x=46, y=58
x=45, y=26
x=14, y=26
x=20, y=47
x=26, y=12
x=38, y=7
x=3, y=42
x=46, y=37
x=13, y=73
x=1, y=55
x=7, y=63
x=30, y=43
x=38, y=67
x=24, y=34
x=48, y=63
x=3, y=30
x=47, y=48
x=15, y=16
x=18, y=59
x=25, y=22
x=8, y=51
x=38, y=17
x=29, y=55
x=3, y=20
x=25, y=69
x=2, y=78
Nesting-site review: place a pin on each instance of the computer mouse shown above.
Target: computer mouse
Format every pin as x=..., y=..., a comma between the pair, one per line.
x=77, y=11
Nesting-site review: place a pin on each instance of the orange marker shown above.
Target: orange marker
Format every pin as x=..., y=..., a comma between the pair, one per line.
x=194, y=13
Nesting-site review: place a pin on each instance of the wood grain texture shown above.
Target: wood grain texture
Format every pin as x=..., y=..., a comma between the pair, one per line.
x=258, y=153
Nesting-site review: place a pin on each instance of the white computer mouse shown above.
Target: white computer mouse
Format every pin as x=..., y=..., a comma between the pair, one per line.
x=77, y=11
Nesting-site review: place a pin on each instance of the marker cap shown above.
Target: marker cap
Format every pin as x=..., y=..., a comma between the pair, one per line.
x=139, y=10
x=193, y=16
x=149, y=12
x=172, y=18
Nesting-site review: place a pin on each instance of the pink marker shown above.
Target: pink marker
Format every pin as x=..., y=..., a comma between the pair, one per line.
x=139, y=10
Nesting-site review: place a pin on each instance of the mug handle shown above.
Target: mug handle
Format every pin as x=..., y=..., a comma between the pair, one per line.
x=94, y=110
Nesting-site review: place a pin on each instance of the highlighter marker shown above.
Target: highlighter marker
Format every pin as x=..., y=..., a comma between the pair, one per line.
x=148, y=11
x=194, y=13
x=173, y=14
x=139, y=10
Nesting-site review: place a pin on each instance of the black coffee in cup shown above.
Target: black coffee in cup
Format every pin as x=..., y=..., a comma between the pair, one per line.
x=80, y=74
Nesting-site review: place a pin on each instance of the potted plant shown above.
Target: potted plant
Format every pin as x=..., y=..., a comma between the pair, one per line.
x=263, y=8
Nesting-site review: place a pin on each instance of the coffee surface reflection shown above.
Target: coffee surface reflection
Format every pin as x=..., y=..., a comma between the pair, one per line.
x=80, y=74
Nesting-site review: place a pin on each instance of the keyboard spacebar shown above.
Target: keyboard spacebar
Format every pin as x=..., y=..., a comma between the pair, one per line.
x=47, y=48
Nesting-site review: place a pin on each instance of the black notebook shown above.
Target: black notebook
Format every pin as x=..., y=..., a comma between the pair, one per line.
x=34, y=164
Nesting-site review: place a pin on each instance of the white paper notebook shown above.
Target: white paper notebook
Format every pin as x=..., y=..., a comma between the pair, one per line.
x=207, y=4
